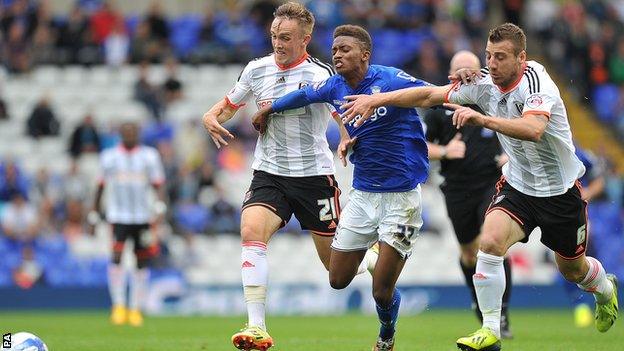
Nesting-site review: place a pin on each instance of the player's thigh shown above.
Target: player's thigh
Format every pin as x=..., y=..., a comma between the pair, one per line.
x=323, y=248
x=343, y=266
x=316, y=203
x=265, y=208
x=357, y=229
x=145, y=243
x=500, y=231
x=258, y=223
x=121, y=233
x=563, y=220
x=401, y=220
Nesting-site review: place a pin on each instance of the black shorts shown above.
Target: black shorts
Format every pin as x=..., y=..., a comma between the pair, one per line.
x=466, y=210
x=313, y=200
x=562, y=218
x=145, y=243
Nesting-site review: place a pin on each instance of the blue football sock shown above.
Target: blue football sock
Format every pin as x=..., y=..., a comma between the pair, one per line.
x=388, y=316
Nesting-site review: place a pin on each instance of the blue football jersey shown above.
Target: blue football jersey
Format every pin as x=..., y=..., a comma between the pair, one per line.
x=390, y=154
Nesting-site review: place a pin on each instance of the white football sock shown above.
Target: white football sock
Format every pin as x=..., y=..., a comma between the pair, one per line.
x=117, y=284
x=596, y=281
x=255, y=273
x=489, y=282
x=368, y=262
x=138, y=288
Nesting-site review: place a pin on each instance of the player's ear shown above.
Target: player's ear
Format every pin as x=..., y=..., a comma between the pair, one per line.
x=306, y=39
x=522, y=57
x=366, y=55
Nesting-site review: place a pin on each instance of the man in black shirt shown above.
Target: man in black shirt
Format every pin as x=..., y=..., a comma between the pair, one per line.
x=470, y=164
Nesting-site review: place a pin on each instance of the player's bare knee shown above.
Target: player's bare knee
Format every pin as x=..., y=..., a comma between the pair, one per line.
x=339, y=281
x=492, y=246
x=383, y=295
x=251, y=233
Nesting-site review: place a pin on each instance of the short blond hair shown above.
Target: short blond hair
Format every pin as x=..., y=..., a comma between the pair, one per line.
x=293, y=10
x=511, y=32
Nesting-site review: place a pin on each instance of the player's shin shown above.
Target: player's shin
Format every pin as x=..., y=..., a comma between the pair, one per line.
x=388, y=316
x=138, y=288
x=117, y=284
x=255, y=277
x=489, y=282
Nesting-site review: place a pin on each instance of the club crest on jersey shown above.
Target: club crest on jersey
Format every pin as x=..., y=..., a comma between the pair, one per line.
x=375, y=89
x=534, y=101
x=519, y=106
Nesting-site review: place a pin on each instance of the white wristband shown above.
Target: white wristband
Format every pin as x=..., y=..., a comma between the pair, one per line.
x=93, y=218
x=160, y=207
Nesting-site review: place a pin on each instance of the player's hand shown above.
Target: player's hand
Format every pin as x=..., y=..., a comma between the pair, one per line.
x=260, y=119
x=465, y=116
x=466, y=75
x=456, y=148
x=343, y=149
x=358, y=105
x=214, y=128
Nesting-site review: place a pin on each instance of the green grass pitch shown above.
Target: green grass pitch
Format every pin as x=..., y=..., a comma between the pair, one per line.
x=539, y=330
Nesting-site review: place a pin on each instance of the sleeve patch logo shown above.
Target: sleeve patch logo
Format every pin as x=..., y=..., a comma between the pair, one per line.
x=534, y=101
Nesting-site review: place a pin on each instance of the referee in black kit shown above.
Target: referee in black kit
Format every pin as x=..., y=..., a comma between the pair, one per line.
x=470, y=164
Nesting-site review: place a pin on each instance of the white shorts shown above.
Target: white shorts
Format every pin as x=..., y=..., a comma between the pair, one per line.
x=394, y=218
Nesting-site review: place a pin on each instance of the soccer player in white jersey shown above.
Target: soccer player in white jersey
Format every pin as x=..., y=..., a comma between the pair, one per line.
x=293, y=165
x=128, y=171
x=539, y=186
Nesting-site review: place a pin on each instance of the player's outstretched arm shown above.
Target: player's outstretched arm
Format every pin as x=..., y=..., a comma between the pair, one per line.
x=365, y=105
x=530, y=127
x=212, y=120
x=292, y=100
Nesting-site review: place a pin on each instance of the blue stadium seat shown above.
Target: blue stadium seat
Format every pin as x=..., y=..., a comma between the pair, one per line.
x=185, y=33
x=605, y=100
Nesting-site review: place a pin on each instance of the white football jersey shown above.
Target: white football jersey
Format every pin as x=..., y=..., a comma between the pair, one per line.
x=548, y=167
x=128, y=176
x=294, y=144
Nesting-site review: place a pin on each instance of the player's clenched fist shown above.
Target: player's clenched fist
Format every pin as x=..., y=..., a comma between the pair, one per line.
x=260, y=119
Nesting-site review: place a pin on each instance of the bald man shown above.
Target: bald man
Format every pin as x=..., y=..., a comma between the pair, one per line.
x=470, y=160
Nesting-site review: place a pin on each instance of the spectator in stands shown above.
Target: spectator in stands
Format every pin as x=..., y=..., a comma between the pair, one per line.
x=47, y=197
x=147, y=93
x=19, y=220
x=616, y=64
x=72, y=36
x=20, y=12
x=16, y=49
x=104, y=21
x=172, y=87
x=85, y=138
x=12, y=181
x=209, y=49
x=144, y=47
x=76, y=184
x=43, y=49
x=29, y=272
x=117, y=45
x=225, y=217
x=4, y=111
x=42, y=121
x=157, y=23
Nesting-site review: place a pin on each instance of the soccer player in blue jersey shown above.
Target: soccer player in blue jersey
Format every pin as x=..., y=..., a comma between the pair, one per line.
x=390, y=161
